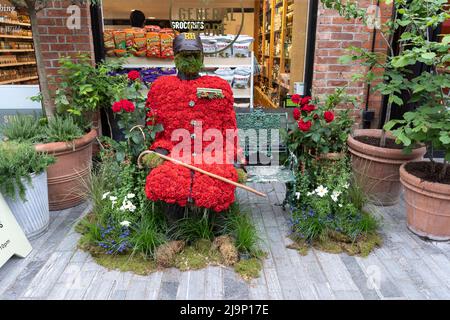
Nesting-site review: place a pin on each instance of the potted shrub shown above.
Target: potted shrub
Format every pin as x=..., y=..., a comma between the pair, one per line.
x=63, y=138
x=23, y=182
x=427, y=183
x=82, y=90
x=320, y=131
x=376, y=158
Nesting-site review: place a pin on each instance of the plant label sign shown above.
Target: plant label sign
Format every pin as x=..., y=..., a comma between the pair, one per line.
x=12, y=239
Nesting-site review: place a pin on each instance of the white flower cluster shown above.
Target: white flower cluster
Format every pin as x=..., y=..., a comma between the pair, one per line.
x=322, y=191
x=126, y=203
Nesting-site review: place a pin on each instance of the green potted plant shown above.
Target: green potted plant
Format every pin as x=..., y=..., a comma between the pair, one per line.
x=23, y=182
x=82, y=90
x=376, y=158
x=63, y=138
x=320, y=130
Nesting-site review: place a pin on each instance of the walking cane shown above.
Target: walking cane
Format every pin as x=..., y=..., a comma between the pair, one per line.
x=212, y=175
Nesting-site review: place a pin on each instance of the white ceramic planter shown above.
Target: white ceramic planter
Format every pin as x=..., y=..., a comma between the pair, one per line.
x=32, y=215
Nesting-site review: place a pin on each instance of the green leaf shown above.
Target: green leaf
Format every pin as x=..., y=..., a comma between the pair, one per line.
x=428, y=55
x=345, y=59
x=445, y=139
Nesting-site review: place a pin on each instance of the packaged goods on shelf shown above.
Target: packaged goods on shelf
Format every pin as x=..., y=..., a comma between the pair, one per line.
x=241, y=81
x=166, y=41
x=226, y=74
x=224, y=43
x=8, y=59
x=241, y=47
x=209, y=45
x=153, y=45
x=241, y=105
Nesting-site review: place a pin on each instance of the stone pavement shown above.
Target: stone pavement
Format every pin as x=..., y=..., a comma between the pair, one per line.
x=406, y=267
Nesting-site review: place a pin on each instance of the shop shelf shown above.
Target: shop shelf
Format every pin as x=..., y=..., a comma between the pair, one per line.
x=10, y=36
x=16, y=64
x=210, y=62
x=15, y=23
x=19, y=80
x=15, y=50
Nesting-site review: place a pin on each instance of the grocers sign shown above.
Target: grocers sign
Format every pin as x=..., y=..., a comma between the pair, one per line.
x=206, y=17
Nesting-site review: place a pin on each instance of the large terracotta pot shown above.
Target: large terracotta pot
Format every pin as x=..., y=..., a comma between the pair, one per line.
x=67, y=178
x=377, y=169
x=427, y=206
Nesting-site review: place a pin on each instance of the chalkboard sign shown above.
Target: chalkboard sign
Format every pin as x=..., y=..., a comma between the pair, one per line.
x=12, y=239
x=16, y=99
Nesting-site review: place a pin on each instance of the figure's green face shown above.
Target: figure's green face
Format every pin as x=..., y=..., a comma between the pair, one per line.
x=189, y=62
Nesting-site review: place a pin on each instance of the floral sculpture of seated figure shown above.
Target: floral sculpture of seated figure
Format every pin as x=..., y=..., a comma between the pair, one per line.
x=199, y=124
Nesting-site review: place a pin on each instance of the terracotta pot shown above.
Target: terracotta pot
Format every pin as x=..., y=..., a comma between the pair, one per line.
x=377, y=169
x=427, y=206
x=68, y=176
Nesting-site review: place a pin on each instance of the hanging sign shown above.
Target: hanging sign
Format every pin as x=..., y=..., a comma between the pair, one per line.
x=12, y=239
x=18, y=101
x=208, y=17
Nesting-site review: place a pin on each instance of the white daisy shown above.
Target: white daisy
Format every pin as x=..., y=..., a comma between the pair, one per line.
x=335, y=195
x=131, y=195
x=321, y=191
x=105, y=195
x=311, y=193
x=346, y=185
x=112, y=198
x=297, y=194
x=125, y=223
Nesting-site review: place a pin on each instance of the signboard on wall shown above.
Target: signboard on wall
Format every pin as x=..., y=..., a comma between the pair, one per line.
x=12, y=239
x=17, y=100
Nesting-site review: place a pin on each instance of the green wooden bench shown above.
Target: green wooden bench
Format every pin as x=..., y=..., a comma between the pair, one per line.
x=261, y=122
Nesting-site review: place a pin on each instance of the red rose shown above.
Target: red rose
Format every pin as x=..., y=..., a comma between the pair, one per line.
x=308, y=108
x=329, y=116
x=124, y=105
x=134, y=75
x=297, y=114
x=117, y=106
x=304, y=126
x=306, y=100
x=128, y=106
x=296, y=98
x=316, y=116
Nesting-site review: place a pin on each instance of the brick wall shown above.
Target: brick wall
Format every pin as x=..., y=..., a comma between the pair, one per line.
x=57, y=40
x=334, y=34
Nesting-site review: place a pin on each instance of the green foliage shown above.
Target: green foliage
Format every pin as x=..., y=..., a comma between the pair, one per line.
x=84, y=87
x=189, y=62
x=18, y=161
x=323, y=137
x=326, y=201
x=239, y=225
x=194, y=227
x=62, y=129
x=416, y=20
x=249, y=269
x=148, y=235
x=23, y=128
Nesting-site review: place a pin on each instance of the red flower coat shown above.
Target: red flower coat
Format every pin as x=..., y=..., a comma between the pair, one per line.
x=173, y=103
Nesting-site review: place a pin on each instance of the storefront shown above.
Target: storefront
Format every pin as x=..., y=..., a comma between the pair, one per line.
x=259, y=47
x=18, y=70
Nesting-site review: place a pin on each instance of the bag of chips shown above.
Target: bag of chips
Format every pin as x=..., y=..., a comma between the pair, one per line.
x=153, y=45
x=241, y=48
x=120, y=40
x=152, y=28
x=120, y=52
x=138, y=33
x=240, y=81
x=166, y=45
x=129, y=38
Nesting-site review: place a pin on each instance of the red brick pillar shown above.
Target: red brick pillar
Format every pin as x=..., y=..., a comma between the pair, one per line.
x=57, y=40
x=334, y=35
